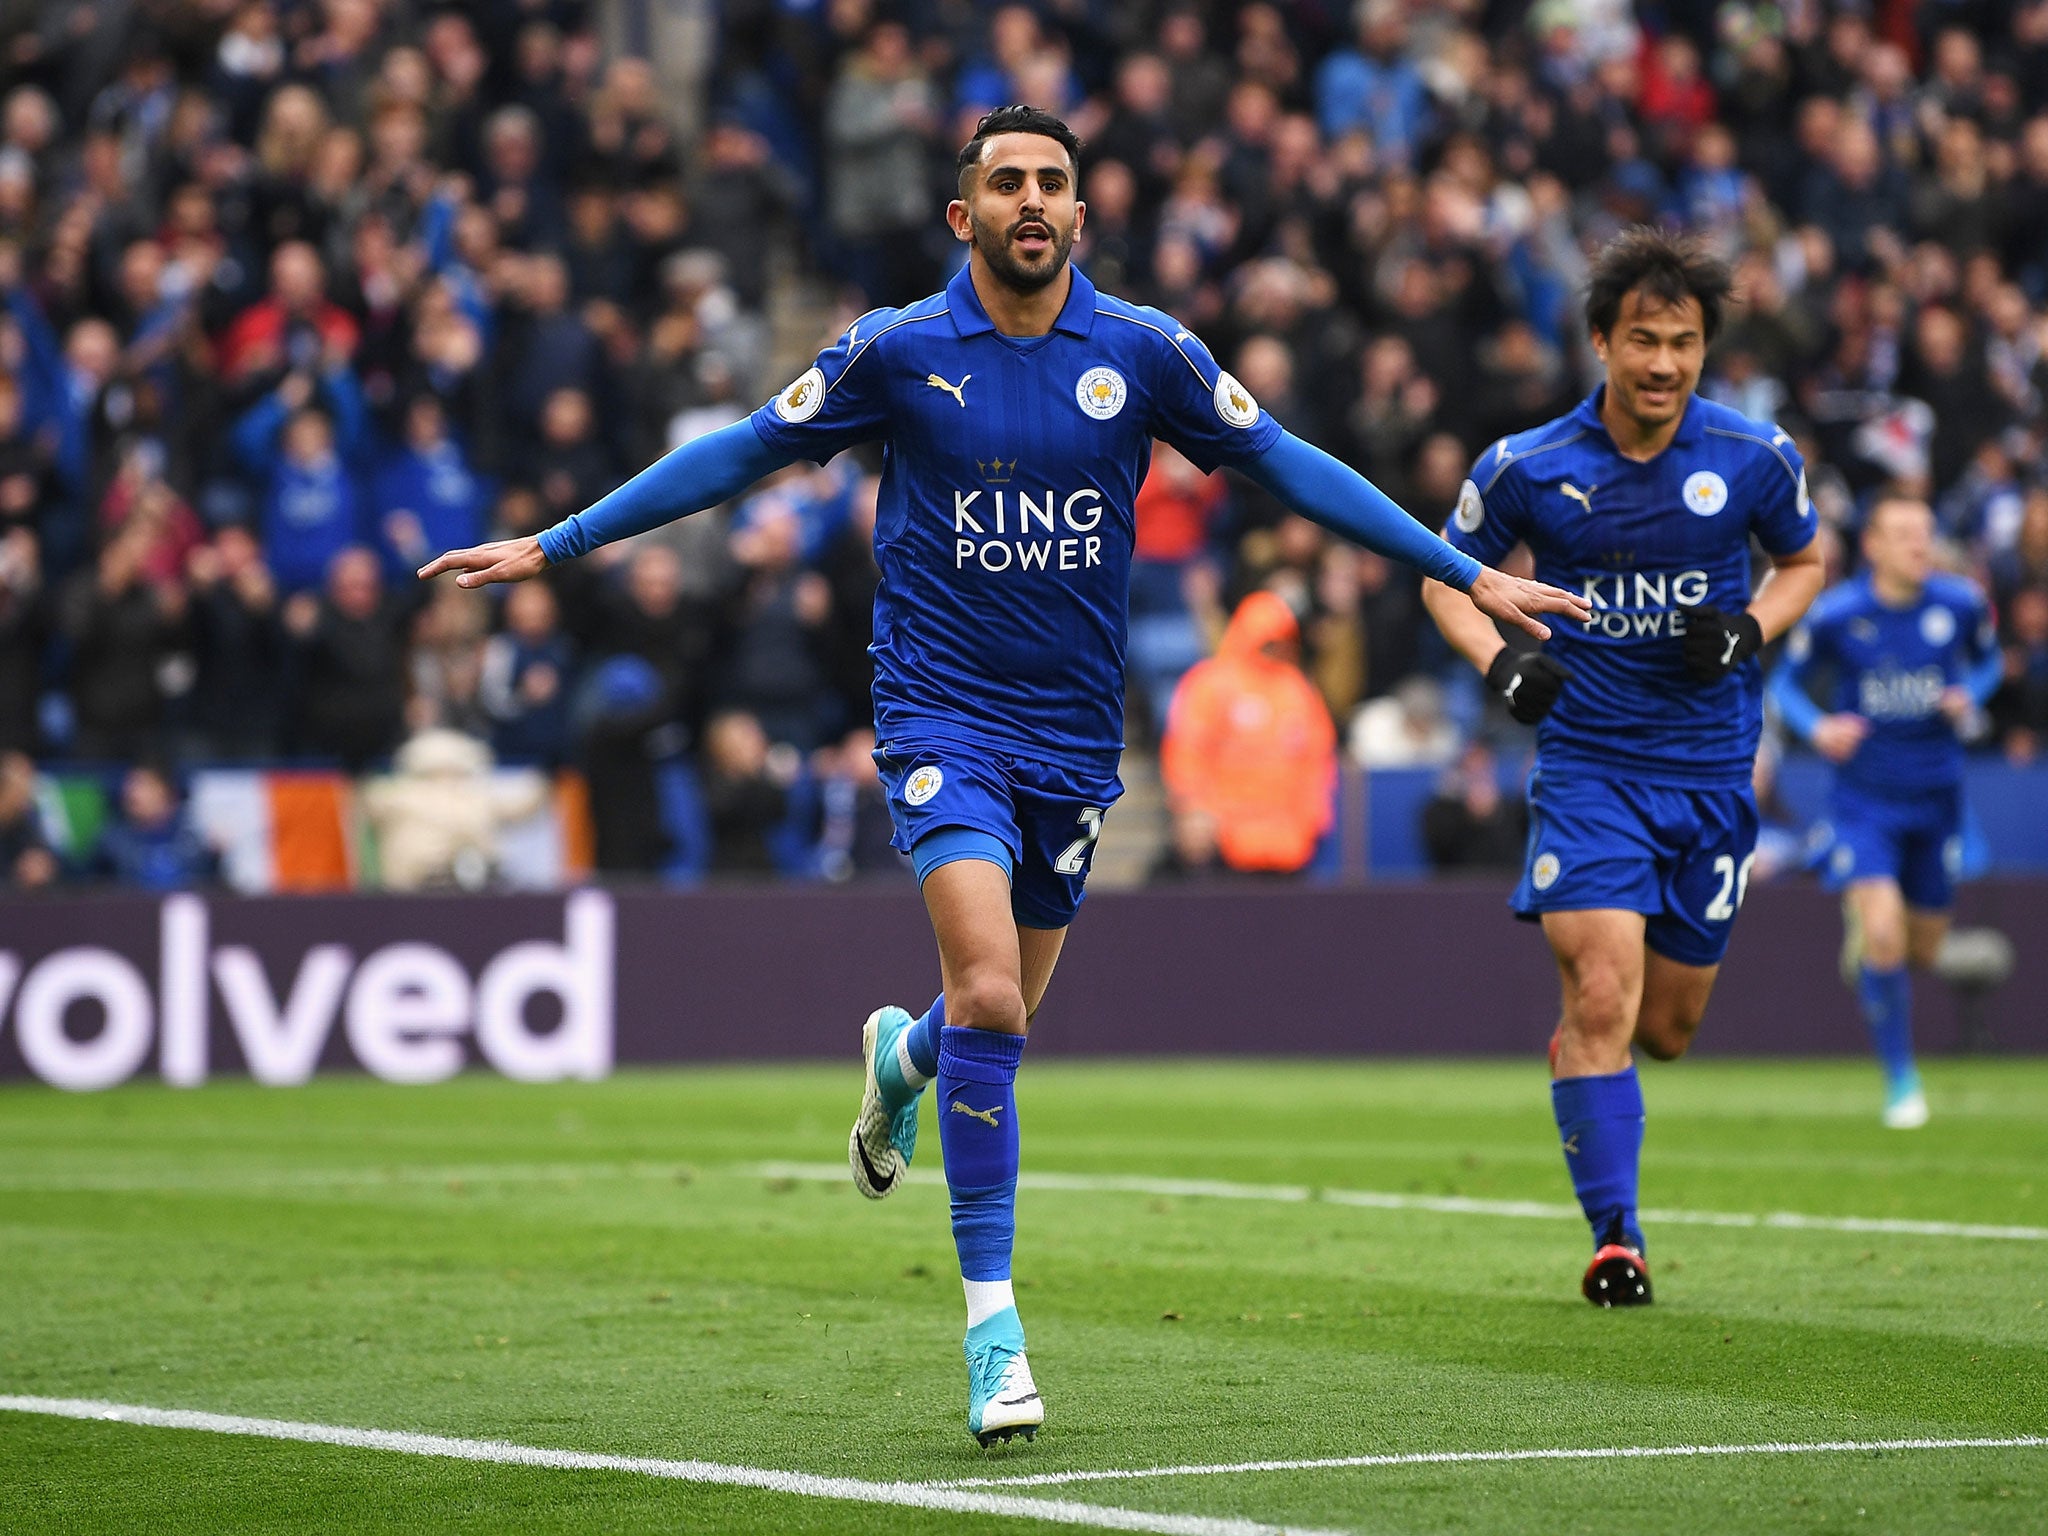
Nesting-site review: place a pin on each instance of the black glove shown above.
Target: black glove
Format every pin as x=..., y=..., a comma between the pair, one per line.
x=1529, y=682
x=1716, y=643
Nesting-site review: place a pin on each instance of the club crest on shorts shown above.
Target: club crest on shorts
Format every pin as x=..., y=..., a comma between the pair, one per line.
x=1937, y=625
x=1234, y=403
x=1101, y=392
x=800, y=402
x=1471, y=510
x=922, y=784
x=1544, y=872
x=1705, y=493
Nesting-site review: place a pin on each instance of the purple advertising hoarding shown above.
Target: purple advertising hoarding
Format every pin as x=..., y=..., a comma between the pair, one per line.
x=96, y=990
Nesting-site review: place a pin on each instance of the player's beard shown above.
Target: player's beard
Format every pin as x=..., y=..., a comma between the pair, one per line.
x=998, y=249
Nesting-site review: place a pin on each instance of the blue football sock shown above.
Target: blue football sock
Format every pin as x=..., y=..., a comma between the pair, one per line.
x=923, y=1038
x=1600, y=1121
x=978, y=1133
x=1888, y=1009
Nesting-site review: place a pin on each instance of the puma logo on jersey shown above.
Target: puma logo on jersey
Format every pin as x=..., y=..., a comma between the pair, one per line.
x=986, y=1116
x=957, y=391
x=1583, y=498
x=1571, y=1145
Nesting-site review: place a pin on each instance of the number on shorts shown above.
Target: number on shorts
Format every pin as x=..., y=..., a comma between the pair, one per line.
x=1735, y=882
x=1075, y=859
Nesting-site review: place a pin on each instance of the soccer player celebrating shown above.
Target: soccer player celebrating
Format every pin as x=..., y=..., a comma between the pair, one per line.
x=1908, y=656
x=1018, y=408
x=1642, y=824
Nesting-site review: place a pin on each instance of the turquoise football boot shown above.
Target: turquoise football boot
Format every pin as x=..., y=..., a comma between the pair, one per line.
x=1002, y=1399
x=883, y=1138
x=1905, y=1104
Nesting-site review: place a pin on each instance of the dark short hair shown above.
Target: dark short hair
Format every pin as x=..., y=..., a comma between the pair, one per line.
x=1668, y=267
x=1018, y=119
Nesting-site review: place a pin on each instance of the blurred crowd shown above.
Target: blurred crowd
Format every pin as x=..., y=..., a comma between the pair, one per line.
x=296, y=293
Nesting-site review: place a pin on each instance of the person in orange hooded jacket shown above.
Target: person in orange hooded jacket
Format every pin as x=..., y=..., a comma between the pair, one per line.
x=1250, y=743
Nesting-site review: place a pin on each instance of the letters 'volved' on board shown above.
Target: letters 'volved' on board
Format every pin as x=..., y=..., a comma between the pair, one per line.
x=85, y=1016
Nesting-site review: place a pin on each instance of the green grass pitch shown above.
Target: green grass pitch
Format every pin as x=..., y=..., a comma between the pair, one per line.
x=606, y=1267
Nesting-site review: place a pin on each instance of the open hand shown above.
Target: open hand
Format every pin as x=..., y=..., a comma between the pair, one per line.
x=484, y=565
x=1510, y=598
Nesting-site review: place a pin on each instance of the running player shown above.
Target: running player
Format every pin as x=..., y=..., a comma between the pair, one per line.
x=1642, y=822
x=1018, y=408
x=1908, y=656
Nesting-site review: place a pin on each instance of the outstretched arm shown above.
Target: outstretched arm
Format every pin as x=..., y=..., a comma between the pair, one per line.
x=1530, y=681
x=702, y=473
x=1333, y=494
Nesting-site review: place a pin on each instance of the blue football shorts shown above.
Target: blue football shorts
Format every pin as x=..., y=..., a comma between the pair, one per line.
x=1918, y=842
x=1047, y=815
x=1680, y=857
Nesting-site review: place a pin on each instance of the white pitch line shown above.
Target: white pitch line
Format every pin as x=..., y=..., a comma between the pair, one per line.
x=1442, y=1458
x=1068, y=1183
x=261, y=1182
x=804, y=1484
x=1447, y=1205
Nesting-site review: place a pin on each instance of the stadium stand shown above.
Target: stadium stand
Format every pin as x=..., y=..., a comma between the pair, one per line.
x=293, y=294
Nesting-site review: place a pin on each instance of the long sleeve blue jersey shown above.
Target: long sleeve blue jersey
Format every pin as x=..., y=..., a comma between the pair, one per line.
x=1005, y=521
x=1891, y=666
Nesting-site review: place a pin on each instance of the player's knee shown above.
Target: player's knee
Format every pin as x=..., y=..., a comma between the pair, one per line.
x=986, y=1000
x=1884, y=945
x=1599, y=1003
x=1666, y=1038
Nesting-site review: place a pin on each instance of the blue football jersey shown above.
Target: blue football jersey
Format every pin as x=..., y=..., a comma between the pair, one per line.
x=1004, y=529
x=1891, y=666
x=1645, y=543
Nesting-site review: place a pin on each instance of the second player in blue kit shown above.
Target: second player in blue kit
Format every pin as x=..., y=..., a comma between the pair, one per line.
x=1017, y=410
x=1644, y=501
x=1905, y=657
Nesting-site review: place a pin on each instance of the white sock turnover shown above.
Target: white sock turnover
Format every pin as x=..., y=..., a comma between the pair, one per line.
x=911, y=1076
x=985, y=1298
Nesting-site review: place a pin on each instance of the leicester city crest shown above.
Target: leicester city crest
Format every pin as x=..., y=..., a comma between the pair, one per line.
x=1101, y=392
x=1705, y=493
x=923, y=783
